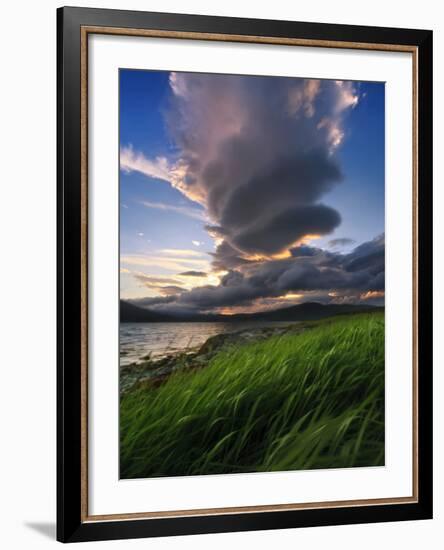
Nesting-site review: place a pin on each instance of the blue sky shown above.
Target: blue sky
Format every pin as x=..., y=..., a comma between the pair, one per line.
x=360, y=198
x=182, y=134
x=144, y=99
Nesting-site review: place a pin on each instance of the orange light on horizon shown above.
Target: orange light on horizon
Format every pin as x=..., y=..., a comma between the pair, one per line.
x=264, y=258
x=226, y=311
x=292, y=296
x=308, y=238
x=284, y=254
x=372, y=294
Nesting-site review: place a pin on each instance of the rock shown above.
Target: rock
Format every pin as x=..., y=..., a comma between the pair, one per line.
x=153, y=373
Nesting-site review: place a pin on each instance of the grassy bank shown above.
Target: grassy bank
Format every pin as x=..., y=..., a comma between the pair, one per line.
x=313, y=400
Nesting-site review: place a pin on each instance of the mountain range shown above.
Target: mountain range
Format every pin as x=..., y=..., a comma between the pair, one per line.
x=130, y=313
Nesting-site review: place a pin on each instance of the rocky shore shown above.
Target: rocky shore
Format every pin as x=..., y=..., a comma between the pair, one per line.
x=153, y=373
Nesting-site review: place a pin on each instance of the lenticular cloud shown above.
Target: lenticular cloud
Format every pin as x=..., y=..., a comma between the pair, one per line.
x=258, y=154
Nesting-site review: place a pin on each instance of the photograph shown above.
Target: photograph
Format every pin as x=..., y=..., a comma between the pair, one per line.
x=226, y=211
x=252, y=273
x=244, y=273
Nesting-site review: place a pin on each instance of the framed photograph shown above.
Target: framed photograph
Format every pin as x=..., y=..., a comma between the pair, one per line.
x=245, y=274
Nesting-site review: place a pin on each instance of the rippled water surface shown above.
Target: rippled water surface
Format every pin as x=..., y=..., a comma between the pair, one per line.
x=137, y=340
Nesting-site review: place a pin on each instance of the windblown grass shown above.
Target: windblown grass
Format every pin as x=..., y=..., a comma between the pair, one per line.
x=313, y=400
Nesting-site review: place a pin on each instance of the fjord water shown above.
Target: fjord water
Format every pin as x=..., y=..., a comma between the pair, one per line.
x=138, y=340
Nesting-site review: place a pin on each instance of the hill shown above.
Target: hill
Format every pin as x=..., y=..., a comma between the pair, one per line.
x=130, y=313
x=304, y=312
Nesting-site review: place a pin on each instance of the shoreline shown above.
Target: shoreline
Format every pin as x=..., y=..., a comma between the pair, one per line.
x=155, y=372
x=310, y=397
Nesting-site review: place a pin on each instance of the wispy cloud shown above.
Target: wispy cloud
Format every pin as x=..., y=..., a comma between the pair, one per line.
x=372, y=295
x=133, y=161
x=170, y=263
x=193, y=274
x=159, y=168
x=156, y=281
x=163, y=285
x=172, y=284
x=184, y=210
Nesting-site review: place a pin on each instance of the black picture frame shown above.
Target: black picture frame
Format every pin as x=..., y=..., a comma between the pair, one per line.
x=71, y=525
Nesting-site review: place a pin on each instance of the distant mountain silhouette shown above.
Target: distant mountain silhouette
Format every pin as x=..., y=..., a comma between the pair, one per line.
x=129, y=313
x=304, y=312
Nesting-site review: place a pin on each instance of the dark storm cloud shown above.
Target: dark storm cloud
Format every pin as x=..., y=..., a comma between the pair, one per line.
x=152, y=302
x=193, y=274
x=306, y=276
x=304, y=250
x=277, y=232
x=313, y=271
x=257, y=152
x=227, y=257
x=367, y=256
x=272, y=211
x=170, y=290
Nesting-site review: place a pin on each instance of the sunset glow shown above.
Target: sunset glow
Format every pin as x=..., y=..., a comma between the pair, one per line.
x=231, y=205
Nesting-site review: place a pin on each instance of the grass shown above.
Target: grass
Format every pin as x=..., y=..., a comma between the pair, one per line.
x=313, y=400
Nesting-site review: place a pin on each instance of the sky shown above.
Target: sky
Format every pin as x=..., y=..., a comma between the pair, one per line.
x=248, y=193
